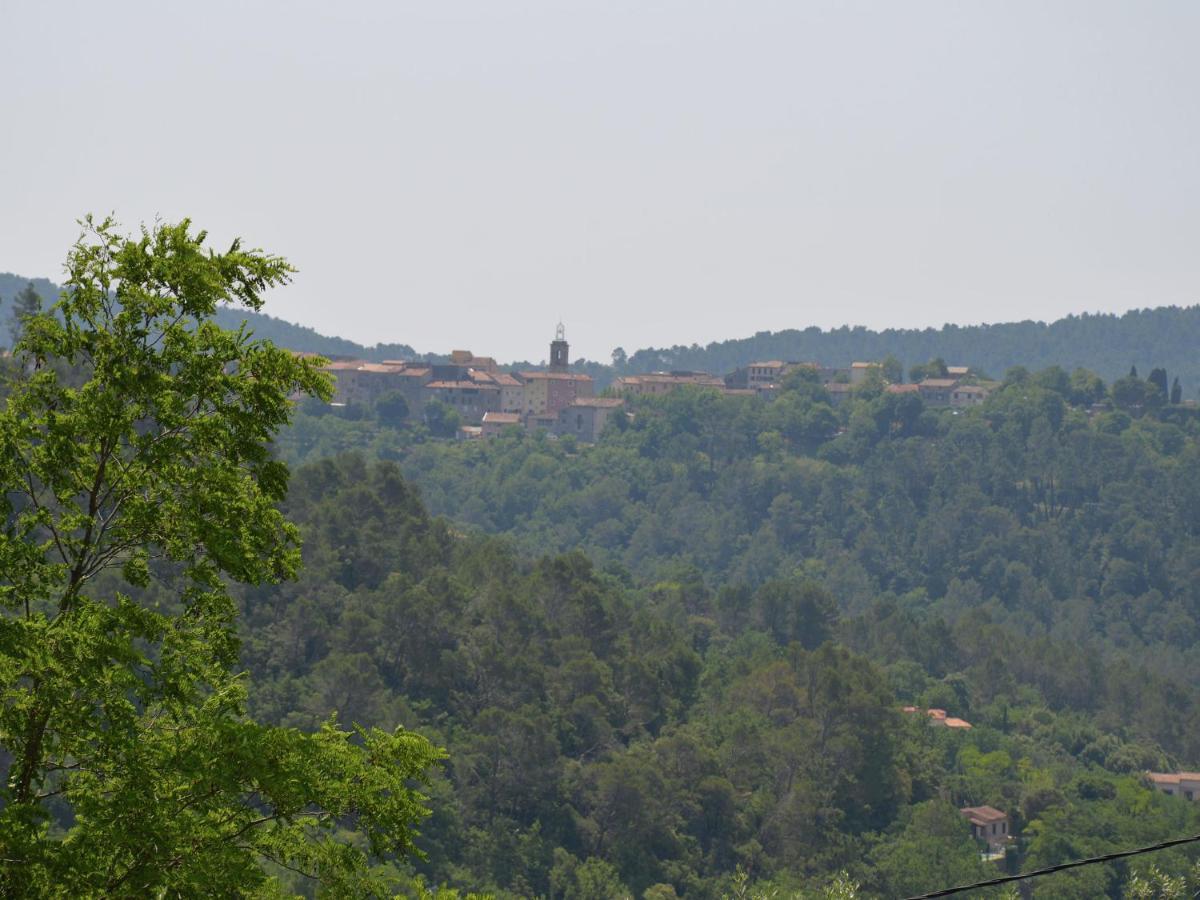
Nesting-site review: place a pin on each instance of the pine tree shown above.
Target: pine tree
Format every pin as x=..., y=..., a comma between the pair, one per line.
x=1158, y=378
x=25, y=304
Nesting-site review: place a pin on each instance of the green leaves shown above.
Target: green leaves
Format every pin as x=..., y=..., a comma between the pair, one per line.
x=135, y=450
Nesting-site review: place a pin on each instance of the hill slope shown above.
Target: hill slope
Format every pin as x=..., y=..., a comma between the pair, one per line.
x=1104, y=343
x=283, y=333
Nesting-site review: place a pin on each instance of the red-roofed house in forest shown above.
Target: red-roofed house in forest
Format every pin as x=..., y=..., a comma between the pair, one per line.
x=988, y=824
x=1180, y=784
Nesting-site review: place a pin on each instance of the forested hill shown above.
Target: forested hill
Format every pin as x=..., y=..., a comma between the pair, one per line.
x=1103, y=343
x=10, y=286
x=278, y=331
x=709, y=675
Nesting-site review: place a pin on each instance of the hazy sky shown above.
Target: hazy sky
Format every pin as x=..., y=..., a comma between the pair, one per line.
x=455, y=174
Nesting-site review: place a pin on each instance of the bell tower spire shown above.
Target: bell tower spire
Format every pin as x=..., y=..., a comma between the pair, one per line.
x=559, y=350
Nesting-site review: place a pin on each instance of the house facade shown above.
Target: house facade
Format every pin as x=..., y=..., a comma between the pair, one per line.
x=585, y=418
x=356, y=381
x=655, y=384
x=512, y=392
x=988, y=824
x=471, y=399
x=1179, y=784
x=495, y=422
x=967, y=395
x=936, y=391
x=546, y=393
x=859, y=371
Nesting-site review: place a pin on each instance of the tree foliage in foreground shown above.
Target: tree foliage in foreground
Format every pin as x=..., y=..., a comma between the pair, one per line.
x=134, y=449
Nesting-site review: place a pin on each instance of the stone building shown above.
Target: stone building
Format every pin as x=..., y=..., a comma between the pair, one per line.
x=585, y=418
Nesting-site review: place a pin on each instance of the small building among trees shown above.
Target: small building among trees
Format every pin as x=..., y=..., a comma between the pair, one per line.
x=1181, y=784
x=988, y=824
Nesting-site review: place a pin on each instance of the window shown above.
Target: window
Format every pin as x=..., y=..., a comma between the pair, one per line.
x=1188, y=794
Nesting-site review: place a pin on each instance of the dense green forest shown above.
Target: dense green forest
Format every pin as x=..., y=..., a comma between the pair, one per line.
x=657, y=737
x=705, y=673
x=672, y=664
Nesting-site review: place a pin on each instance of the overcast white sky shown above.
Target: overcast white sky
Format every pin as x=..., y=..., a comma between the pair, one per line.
x=461, y=174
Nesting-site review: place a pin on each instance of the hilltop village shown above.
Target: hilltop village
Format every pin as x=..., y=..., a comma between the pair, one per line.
x=562, y=402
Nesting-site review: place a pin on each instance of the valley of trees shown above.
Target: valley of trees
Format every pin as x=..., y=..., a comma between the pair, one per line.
x=787, y=575
x=672, y=664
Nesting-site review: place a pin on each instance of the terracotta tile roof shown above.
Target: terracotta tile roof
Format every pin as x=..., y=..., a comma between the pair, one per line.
x=701, y=378
x=501, y=418
x=460, y=385
x=952, y=722
x=1172, y=777
x=381, y=368
x=598, y=402
x=983, y=815
x=555, y=376
x=506, y=380
x=902, y=389
x=938, y=383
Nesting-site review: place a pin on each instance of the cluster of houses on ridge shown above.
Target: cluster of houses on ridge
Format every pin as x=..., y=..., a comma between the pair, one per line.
x=487, y=399
x=563, y=402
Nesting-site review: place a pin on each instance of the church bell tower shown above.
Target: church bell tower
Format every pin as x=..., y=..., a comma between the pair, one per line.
x=558, y=350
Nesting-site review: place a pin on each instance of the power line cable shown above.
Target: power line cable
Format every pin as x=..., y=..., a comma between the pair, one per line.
x=1050, y=870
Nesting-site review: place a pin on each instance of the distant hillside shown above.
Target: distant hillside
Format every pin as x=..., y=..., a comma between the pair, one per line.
x=278, y=331
x=10, y=286
x=1106, y=344
x=300, y=337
